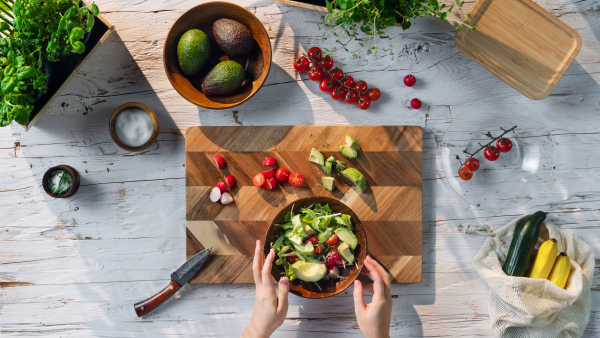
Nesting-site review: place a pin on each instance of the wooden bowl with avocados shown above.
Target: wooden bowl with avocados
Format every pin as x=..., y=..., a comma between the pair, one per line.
x=256, y=63
x=310, y=289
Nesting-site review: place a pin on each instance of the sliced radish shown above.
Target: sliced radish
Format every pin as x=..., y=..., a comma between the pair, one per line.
x=339, y=262
x=226, y=198
x=221, y=186
x=215, y=194
x=333, y=272
x=230, y=181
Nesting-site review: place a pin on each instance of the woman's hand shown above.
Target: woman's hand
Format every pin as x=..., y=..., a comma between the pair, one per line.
x=374, y=318
x=269, y=311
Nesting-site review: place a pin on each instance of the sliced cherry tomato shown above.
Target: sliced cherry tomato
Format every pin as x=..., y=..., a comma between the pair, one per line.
x=296, y=179
x=258, y=180
x=472, y=164
x=316, y=73
x=337, y=73
x=332, y=240
x=319, y=249
x=269, y=161
x=269, y=173
x=351, y=97
x=491, y=153
x=465, y=173
x=363, y=102
x=270, y=183
x=327, y=62
x=338, y=93
x=312, y=240
x=349, y=81
x=504, y=145
x=374, y=94
x=292, y=259
x=315, y=53
x=301, y=64
x=326, y=84
x=361, y=87
x=282, y=174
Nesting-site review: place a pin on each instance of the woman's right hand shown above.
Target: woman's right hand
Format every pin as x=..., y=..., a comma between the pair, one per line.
x=374, y=318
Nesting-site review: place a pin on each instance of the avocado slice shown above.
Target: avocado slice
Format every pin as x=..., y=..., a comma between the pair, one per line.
x=346, y=253
x=193, y=51
x=340, y=166
x=325, y=235
x=357, y=177
x=328, y=183
x=347, y=237
x=344, y=220
x=327, y=168
x=293, y=237
x=309, y=232
x=351, y=141
x=309, y=272
x=305, y=249
x=316, y=156
x=348, y=152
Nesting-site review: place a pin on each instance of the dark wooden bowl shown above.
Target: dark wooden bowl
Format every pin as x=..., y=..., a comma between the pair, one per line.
x=113, y=118
x=310, y=290
x=75, y=181
x=257, y=63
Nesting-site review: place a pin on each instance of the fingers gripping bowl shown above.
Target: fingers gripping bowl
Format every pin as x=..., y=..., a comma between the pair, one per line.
x=323, y=287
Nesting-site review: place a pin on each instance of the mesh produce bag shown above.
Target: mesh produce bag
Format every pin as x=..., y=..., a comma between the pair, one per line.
x=526, y=307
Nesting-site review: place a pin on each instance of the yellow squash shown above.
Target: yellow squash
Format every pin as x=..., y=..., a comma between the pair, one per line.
x=560, y=271
x=544, y=261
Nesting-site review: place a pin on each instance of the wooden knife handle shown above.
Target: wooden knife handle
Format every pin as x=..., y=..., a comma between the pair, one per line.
x=153, y=302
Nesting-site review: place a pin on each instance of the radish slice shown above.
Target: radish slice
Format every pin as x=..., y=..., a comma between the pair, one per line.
x=215, y=194
x=339, y=262
x=226, y=198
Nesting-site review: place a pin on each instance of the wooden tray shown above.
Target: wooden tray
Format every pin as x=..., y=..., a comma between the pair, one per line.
x=391, y=210
x=521, y=43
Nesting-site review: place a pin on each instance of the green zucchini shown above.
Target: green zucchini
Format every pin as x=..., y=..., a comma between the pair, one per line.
x=524, y=239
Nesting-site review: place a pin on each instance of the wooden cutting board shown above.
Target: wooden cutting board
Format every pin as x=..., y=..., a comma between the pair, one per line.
x=391, y=209
x=521, y=43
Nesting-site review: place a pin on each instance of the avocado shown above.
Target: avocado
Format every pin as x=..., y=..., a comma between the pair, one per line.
x=309, y=272
x=193, y=51
x=347, y=237
x=305, y=249
x=340, y=166
x=327, y=168
x=325, y=235
x=328, y=182
x=225, y=78
x=348, y=152
x=344, y=220
x=309, y=231
x=346, y=253
x=357, y=177
x=316, y=156
x=293, y=237
x=351, y=141
x=234, y=38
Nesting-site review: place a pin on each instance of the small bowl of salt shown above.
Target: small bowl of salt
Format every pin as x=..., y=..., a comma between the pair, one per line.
x=133, y=126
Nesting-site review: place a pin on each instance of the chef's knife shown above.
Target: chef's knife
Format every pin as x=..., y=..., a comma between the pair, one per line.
x=178, y=279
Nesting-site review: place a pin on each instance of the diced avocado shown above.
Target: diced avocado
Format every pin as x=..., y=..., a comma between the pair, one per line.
x=348, y=152
x=305, y=249
x=309, y=272
x=327, y=168
x=298, y=226
x=325, y=235
x=351, y=141
x=224, y=79
x=340, y=166
x=293, y=237
x=316, y=156
x=309, y=232
x=346, y=253
x=193, y=51
x=357, y=177
x=347, y=237
x=331, y=159
x=328, y=183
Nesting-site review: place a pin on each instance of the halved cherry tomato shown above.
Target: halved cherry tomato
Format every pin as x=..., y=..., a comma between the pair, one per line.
x=465, y=173
x=292, y=259
x=315, y=53
x=472, y=164
x=270, y=184
x=258, y=180
x=491, y=153
x=349, y=81
x=319, y=249
x=332, y=240
x=296, y=179
x=282, y=174
x=269, y=173
x=316, y=73
x=374, y=94
x=504, y=145
x=361, y=87
x=301, y=64
x=326, y=84
x=312, y=240
x=269, y=161
x=327, y=62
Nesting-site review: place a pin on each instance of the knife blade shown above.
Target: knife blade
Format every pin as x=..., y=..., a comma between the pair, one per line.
x=178, y=279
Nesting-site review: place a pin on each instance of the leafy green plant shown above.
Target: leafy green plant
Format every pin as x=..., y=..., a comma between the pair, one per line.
x=347, y=19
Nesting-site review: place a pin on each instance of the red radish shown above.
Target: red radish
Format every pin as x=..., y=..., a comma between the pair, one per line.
x=270, y=161
x=270, y=183
x=221, y=186
x=230, y=181
x=215, y=194
x=415, y=103
x=269, y=173
x=333, y=272
x=410, y=80
x=219, y=160
x=339, y=262
x=226, y=198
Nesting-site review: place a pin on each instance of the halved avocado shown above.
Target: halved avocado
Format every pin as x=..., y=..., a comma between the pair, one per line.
x=347, y=237
x=348, y=152
x=357, y=177
x=346, y=253
x=309, y=272
x=316, y=156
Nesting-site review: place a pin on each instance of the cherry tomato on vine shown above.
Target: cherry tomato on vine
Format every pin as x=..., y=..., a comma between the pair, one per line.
x=465, y=173
x=296, y=179
x=351, y=97
x=374, y=94
x=472, y=164
x=316, y=73
x=491, y=153
x=337, y=73
x=361, y=87
x=258, y=180
x=315, y=53
x=282, y=174
x=363, y=102
x=301, y=64
x=338, y=93
x=326, y=84
x=504, y=145
x=349, y=81
x=327, y=62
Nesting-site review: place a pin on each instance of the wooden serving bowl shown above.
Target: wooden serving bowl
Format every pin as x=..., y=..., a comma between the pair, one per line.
x=113, y=119
x=257, y=63
x=309, y=289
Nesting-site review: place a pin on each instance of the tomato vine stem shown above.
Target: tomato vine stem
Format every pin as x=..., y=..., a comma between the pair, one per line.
x=483, y=146
x=315, y=62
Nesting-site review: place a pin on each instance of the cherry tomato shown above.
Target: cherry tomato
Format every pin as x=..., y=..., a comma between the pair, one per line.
x=332, y=240
x=349, y=81
x=319, y=249
x=338, y=93
x=302, y=64
x=269, y=173
x=504, y=145
x=282, y=174
x=296, y=179
x=491, y=153
x=269, y=161
x=326, y=85
x=327, y=62
x=374, y=94
x=465, y=173
x=472, y=164
x=258, y=180
x=312, y=240
x=415, y=103
x=315, y=53
x=316, y=73
x=351, y=97
x=410, y=80
x=270, y=183
x=292, y=259
x=363, y=102
x=337, y=73
x=361, y=87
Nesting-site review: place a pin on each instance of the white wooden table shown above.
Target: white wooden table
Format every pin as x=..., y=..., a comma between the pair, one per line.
x=74, y=267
